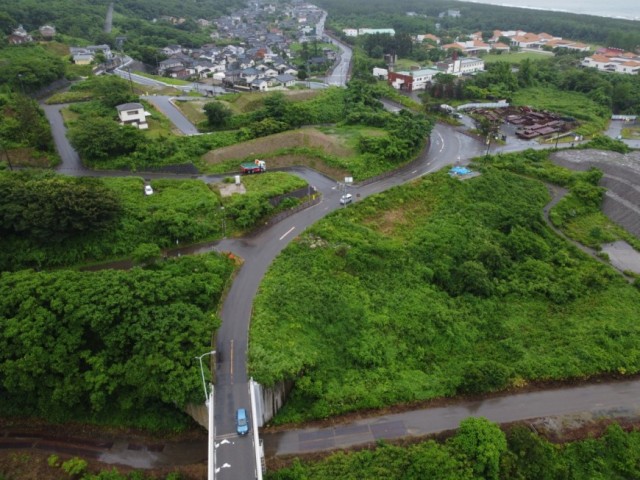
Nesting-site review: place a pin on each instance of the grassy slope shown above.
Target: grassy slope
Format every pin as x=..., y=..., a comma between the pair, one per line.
x=383, y=309
x=593, y=118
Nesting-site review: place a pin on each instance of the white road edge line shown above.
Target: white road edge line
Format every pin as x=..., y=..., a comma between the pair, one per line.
x=288, y=232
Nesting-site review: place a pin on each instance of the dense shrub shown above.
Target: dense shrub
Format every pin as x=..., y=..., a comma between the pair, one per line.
x=436, y=288
x=108, y=346
x=480, y=450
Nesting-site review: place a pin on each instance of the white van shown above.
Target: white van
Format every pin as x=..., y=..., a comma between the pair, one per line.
x=346, y=198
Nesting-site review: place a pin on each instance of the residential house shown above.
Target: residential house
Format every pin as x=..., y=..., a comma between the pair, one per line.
x=270, y=73
x=249, y=74
x=47, y=31
x=86, y=55
x=279, y=64
x=105, y=49
x=83, y=58
x=286, y=80
x=19, y=36
x=171, y=50
x=290, y=71
x=180, y=72
x=133, y=114
x=168, y=64
x=260, y=84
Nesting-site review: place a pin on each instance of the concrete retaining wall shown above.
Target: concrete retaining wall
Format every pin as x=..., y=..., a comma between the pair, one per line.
x=272, y=399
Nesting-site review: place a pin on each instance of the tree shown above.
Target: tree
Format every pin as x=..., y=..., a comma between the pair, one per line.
x=111, y=90
x=52, y=208
x=526, y=73
x=533, y=456
x=484, y=376
x=482, y=443
x=217, y=114
x=146, y=253
x=98, y=138
x=275, y=105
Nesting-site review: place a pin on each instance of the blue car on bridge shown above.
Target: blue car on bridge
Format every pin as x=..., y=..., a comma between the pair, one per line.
x=242, y=422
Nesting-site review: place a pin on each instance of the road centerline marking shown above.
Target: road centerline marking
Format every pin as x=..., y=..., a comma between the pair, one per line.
x=287, y=232
x=231, y=363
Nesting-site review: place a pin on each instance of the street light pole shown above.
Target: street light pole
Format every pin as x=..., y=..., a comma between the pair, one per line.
x=204, y=385
x=209, y=399
x=211, y=464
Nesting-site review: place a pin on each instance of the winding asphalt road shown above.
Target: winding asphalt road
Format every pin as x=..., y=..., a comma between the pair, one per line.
x=447, y=147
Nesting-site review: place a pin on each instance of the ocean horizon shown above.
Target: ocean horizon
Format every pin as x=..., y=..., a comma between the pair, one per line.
x=623, y=9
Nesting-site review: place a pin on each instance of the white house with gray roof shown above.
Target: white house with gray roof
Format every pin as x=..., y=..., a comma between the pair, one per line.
x=133, y=114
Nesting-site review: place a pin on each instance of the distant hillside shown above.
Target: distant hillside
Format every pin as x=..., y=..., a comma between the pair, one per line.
x=84, y=19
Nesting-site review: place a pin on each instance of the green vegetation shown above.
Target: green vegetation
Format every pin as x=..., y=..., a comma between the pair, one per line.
x=27, y=68
x=631, y=133
x=25, y=134
x=99, y=219
x=579, y=213
x=515, y=57
x=593, y=118
x=434, y=289
x=480, y=449
x=253, y=207
x=167, y=80
x=109, y=347
x=52, y=221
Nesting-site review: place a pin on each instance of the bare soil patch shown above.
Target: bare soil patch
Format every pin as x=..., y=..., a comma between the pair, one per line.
x=304, y=138
x=266, y=146
x=228, y=189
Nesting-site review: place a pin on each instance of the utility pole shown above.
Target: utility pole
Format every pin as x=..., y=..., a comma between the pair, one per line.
x=6, y=154
x=130, y=80
x=21, y=83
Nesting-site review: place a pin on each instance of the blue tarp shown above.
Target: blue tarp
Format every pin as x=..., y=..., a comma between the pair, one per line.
x=459, y=171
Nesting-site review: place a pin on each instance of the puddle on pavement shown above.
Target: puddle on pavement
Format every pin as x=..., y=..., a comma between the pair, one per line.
x=143, y=456
x=623, y=256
